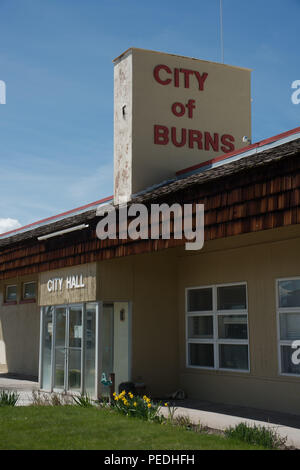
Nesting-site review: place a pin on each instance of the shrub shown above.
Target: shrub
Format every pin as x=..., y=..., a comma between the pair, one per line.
x=83, y=400
x=8, y=398
x=50, y=399
x=257, y=435
x=136, y=406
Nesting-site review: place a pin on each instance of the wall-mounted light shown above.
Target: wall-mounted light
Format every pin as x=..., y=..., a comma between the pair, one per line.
x=122, y=314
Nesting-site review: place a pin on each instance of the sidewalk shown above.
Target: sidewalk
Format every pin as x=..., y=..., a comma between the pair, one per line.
x=22, y=385
x=285, y=425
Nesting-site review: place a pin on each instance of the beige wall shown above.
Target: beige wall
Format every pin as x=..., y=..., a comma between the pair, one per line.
x=155, y=285
x=19, y=332
x=148, y=282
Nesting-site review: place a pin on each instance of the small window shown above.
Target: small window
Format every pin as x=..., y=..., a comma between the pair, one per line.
x=200, y=300
x=232, y=297
x=289, y=293
x=29, y=290
x=11, y=293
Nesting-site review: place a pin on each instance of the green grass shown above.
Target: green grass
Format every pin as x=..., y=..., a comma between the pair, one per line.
x=71, y=427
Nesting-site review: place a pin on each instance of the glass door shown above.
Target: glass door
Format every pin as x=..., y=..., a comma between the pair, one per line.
x=69, y=345
x=60, y=348
x=68, y=348
x=74, y=348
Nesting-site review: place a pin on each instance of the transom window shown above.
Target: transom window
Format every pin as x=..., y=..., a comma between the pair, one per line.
x=217, y=327
x=288, y=320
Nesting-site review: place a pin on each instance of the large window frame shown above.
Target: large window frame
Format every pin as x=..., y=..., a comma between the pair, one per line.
x=284, y=310
x=215, y=313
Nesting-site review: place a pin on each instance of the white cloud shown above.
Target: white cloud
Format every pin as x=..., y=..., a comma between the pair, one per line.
x=8, y=224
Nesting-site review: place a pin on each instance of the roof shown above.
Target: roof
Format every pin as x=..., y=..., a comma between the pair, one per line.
x=255, y=156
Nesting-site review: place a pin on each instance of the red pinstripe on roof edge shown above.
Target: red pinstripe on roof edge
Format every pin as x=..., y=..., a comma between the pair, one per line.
x=239, y=151
x=63, y=214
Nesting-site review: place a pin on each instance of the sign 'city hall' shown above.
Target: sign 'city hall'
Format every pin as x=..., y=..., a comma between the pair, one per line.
x=172, y=112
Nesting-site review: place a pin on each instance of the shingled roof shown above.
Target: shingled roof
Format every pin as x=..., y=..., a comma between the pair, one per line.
x=256, y=157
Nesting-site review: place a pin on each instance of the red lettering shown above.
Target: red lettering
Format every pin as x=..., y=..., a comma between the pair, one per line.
x=190, y=106
x=174, y=137
x=228, y=143
x=195, y=136
x=178, y=109
x=156, y=74
x=176, y=78
x=211, y=142
x=187, y=74
x=161, y=135
x=201, y=79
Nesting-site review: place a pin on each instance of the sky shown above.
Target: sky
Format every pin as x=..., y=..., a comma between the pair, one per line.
x=56, y=128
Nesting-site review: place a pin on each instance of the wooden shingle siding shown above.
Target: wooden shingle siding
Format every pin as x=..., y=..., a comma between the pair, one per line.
x=262, y=195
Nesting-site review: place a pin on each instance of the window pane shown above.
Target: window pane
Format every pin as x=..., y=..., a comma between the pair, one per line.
x=47, y=347
x=233, y=356
x=200, y=300
x=289, y=326
x=201, y=355
x=30, y=290
x=75, y=327
x=287, y=366
x=289, y=293
x=74, y=362
x=90, y=352
x=233, y=327
x=11, y=293
x=232, y=298
x=200, y=327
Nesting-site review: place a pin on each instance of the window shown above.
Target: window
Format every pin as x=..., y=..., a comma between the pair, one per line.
x=29, y=290
x=11, y=293
x=217, y=327
x=288, y=320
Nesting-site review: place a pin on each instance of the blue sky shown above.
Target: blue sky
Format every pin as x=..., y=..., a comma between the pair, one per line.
x=56, y=129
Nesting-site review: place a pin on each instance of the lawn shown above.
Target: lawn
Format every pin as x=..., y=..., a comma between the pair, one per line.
x=71, y=427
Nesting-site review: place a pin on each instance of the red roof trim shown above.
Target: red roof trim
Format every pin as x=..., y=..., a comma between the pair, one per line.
x=239, y=151
x=63, y=214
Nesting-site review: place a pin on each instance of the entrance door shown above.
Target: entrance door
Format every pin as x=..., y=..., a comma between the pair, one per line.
x=68, y=348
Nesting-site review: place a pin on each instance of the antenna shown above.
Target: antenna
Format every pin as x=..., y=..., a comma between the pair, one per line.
x=221, y=30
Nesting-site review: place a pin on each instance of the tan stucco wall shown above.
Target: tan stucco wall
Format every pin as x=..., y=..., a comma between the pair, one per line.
x=155, y=286
x=259, y=265
x=148, y=282
x=19, y=333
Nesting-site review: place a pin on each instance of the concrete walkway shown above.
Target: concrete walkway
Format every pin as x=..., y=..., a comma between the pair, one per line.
x=22, y=385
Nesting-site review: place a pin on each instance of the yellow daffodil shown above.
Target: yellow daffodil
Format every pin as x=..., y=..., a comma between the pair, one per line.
x=135, y=404
x=130, y=395
x=149, y=405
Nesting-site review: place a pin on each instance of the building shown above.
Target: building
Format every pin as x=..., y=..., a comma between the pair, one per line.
x=218, y=323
